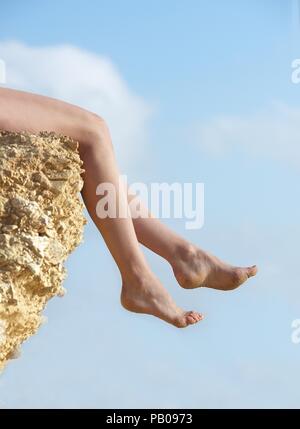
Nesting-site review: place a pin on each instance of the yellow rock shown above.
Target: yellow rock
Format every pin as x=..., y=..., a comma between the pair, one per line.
x=41, y=223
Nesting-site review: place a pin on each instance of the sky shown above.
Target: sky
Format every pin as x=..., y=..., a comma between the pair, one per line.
x=193, y=91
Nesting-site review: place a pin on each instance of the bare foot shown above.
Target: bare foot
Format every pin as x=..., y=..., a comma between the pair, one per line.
x=195, y=268
x=146, y=294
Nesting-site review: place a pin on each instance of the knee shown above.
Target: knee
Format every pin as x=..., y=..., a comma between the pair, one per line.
x=95, y=134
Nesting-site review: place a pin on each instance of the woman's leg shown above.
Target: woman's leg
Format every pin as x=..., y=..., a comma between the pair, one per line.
x=191, y=265
x=141, y=291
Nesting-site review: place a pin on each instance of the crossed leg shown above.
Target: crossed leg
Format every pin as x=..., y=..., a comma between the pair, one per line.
x=141, y=290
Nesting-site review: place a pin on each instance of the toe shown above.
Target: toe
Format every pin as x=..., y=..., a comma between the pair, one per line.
x=240, y=275
x=188, y=318
x=252, y=271
x=197, y=316
x=200, y=317
x=193, y=317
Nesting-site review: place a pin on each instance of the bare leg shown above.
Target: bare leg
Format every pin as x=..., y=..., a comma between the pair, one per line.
x=141, y=290
x=192, y=266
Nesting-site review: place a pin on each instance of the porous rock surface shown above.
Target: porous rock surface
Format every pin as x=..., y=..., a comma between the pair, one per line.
x=41, y=223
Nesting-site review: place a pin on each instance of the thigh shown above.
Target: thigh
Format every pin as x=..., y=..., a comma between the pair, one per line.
x=22, y=111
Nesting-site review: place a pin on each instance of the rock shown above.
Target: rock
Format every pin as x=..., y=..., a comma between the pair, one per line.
x=41, y=223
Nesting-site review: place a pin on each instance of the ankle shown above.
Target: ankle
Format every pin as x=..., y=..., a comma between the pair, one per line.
x=135, y=275
x=184, y=252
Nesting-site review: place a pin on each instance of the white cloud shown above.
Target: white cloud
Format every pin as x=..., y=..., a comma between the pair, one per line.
x=273, y=132
x=86, y=79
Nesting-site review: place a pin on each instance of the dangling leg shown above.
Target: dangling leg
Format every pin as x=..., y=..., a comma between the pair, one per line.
x=192, y=266
x=141, y=291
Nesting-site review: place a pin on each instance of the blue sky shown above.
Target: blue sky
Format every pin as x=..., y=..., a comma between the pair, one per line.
x=167, y=76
